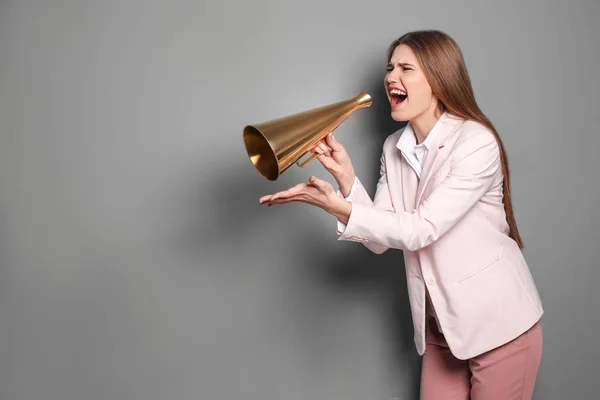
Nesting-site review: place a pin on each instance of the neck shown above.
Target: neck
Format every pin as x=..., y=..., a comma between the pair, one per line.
x=424, y=123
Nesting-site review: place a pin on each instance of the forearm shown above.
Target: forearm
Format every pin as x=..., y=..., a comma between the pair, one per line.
x=399, y=230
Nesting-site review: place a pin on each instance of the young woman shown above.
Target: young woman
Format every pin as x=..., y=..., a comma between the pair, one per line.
x=443, y=197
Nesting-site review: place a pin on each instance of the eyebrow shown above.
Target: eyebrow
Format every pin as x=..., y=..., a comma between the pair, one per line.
x=401, y=64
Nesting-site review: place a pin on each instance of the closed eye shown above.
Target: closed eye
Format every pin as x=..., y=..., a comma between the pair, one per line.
x=405, y=67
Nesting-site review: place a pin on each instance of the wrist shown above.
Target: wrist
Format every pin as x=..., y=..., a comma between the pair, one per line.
x=341, y=209
x=345, y=182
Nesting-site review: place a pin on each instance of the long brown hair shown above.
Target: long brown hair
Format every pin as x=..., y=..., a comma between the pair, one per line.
x=444, y=67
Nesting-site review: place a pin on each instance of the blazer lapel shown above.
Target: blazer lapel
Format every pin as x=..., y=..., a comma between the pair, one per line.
x=437, y=153
x=410, y=182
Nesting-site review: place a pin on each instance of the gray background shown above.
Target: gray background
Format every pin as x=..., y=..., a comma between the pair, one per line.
x=135, y=262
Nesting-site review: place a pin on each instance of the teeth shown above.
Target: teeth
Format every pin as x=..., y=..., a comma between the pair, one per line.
x=397, y=92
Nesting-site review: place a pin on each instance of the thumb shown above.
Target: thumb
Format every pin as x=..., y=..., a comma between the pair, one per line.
x=333, y=143
x=318, y=183
x=329, y=163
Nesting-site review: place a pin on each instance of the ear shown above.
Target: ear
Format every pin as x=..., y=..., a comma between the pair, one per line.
x=441, y=107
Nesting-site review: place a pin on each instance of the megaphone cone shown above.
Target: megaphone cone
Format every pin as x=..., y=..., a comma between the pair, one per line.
x=273, y=146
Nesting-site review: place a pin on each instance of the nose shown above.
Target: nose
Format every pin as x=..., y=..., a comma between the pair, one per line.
x=392, y=77
x=388, y=81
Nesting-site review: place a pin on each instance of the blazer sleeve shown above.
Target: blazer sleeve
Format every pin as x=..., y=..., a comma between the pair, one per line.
x=475, y=165
x=381, y=202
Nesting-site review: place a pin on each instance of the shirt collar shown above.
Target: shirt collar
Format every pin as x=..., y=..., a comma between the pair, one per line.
x=408, y=141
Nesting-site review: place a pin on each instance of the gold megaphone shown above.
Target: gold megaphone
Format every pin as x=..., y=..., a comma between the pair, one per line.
x=275, y=145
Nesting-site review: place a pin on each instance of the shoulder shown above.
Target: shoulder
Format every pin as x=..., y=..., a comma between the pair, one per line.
x=473, y=136
x=472, y=131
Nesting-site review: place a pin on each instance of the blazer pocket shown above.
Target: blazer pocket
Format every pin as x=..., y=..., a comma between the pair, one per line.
x=480, y=269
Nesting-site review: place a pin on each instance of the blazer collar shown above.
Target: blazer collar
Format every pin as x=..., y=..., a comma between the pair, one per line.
x=408, y=140
x=437, y=152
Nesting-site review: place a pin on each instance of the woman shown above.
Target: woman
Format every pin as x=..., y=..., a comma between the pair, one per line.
x=443, y=197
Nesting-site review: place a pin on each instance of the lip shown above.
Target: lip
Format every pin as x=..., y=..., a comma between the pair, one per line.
x=390, y=88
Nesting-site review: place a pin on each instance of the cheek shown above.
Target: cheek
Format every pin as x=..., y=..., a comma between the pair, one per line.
x=418, y=89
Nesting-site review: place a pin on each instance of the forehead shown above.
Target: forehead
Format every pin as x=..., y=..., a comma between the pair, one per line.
x=403, y=54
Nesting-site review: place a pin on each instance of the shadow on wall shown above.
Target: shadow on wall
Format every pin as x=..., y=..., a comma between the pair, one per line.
x=358, y=268
x=221, y=212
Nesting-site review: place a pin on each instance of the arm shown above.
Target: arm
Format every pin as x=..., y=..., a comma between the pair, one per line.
x=359, y=196
x=475, y=164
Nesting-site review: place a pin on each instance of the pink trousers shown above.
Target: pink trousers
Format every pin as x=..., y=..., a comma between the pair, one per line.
x=507, y=372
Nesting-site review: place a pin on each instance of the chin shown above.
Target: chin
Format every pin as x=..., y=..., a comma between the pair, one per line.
x=400, y=116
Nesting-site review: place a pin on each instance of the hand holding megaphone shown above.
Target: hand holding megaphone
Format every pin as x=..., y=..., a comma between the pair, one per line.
x=334, y=157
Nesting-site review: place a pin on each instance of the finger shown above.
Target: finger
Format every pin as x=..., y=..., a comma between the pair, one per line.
x=264, y=199
x=320, y=184
x=321, y=148
x=293, y=191
x=329, y=163
x=285, y=201
x=300, y=198
x=333, y=143
x=324, y=148
x=283, y=194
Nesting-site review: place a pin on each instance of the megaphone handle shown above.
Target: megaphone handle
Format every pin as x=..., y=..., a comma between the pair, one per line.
x=305, y=163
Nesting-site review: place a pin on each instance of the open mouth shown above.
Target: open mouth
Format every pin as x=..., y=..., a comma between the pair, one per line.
x=397, y=97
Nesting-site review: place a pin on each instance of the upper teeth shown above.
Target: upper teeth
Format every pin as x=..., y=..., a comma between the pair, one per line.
x=397, y=92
